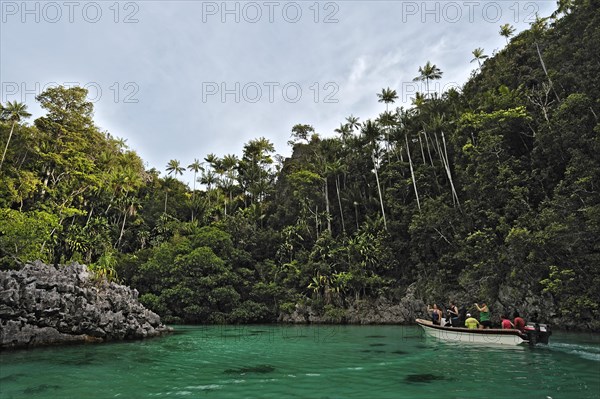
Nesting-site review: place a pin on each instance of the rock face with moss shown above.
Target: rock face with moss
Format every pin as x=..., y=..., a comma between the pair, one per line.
x=46, y=305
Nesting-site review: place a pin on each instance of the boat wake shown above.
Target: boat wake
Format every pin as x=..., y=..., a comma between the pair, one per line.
x=588, y=352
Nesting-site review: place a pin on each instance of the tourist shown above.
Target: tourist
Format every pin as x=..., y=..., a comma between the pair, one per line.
x=519, y=322
x=484, y=315
x=436, y=314
x=506, y=323
x=453, y=314
x=471, y=322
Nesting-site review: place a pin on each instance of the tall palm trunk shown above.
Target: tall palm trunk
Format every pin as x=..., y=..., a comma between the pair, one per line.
x=546, y=71
x=328, y=215
x=412, y=172
x=445, y=163
x=193, y=196
x=337, y=189
x=379, y=191
x=12, y=128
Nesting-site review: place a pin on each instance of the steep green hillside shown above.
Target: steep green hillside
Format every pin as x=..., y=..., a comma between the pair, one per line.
x=490, y=193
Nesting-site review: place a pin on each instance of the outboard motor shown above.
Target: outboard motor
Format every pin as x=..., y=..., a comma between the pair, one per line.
x=537, y=333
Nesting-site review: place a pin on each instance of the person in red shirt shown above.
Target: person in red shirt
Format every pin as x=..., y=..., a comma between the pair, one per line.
x=519, y=322
x=506, y=323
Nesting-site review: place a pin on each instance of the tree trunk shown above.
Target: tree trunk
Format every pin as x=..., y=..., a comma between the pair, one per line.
x=337, y=189
x=12, y=128
x=328, y=215
x=412, y=172
x=546, y=71
x=122, y=230
x=379, y=191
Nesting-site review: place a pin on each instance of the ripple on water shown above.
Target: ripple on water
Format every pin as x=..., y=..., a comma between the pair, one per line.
x=583, y=351
x=209, y=387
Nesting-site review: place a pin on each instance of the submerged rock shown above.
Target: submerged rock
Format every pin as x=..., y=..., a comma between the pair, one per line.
x=44, y=305
x=261, y=369
x=422, y=378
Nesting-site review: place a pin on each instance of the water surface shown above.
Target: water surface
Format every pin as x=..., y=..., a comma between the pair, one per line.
x=304, y=362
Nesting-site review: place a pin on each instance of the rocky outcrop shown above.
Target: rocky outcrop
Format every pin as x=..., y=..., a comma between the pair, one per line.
x=375, y=311
x=45, y=305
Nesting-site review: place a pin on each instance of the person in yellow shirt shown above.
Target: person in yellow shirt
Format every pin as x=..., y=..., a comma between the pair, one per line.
x=471, y=322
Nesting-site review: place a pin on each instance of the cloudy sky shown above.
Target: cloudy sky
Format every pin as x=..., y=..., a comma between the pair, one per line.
x=181, y=79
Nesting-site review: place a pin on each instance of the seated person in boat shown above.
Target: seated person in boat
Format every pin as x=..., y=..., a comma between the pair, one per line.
x=436, y=314
x=484, y=315
x=519, y=322
x=471, y=322
x=506, y=323
x=453, y=314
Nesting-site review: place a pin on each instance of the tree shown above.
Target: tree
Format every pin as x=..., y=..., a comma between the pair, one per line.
x=507, y=30
x=428, y=72
x=478, y=56
x=173, y=168
x=387, y=96
x=302, y=132
x=13, y=112
x=196, y=167
x=344, y=131
x=353, y=123
x=371, y=133
x=229, y=164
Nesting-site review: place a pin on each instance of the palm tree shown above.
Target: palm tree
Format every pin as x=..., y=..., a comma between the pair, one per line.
x=229, y=163
x=428, y=72
x=344, y=132
x=12, y=112
x=173, y=168
x=419, y=99
x=196, y=167
x=478, y=54
x=507, y=31
x=208, y=178
x=371, y=132
x=387, y=96
x=353, y=123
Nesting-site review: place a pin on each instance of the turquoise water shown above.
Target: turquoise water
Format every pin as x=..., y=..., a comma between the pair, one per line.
x=367, y=362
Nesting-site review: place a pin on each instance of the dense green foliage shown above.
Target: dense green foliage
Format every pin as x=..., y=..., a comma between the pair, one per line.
x=496, y=185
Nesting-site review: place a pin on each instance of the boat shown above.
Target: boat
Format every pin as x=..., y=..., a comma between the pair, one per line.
x=534, y=333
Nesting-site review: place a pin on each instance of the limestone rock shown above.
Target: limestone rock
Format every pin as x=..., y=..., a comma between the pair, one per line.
x=45, y=305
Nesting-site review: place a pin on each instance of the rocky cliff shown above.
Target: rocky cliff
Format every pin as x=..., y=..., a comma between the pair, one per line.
x=373, y=311
x=531, y=306
x=45, y=305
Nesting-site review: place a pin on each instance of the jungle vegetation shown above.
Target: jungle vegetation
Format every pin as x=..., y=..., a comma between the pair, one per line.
x=495, y=184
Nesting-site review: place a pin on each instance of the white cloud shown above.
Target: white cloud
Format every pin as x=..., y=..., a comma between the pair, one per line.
x=170, y=52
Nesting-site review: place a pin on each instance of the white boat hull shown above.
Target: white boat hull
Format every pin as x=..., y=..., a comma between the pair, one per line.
x=465, y=335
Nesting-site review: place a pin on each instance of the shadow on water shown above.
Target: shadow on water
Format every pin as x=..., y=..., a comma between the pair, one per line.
x=399, y=352
x=378, y=344
x=82, y=361
x=261, y=369
x=40, y=389
x=422, y=378
x=11, y=377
